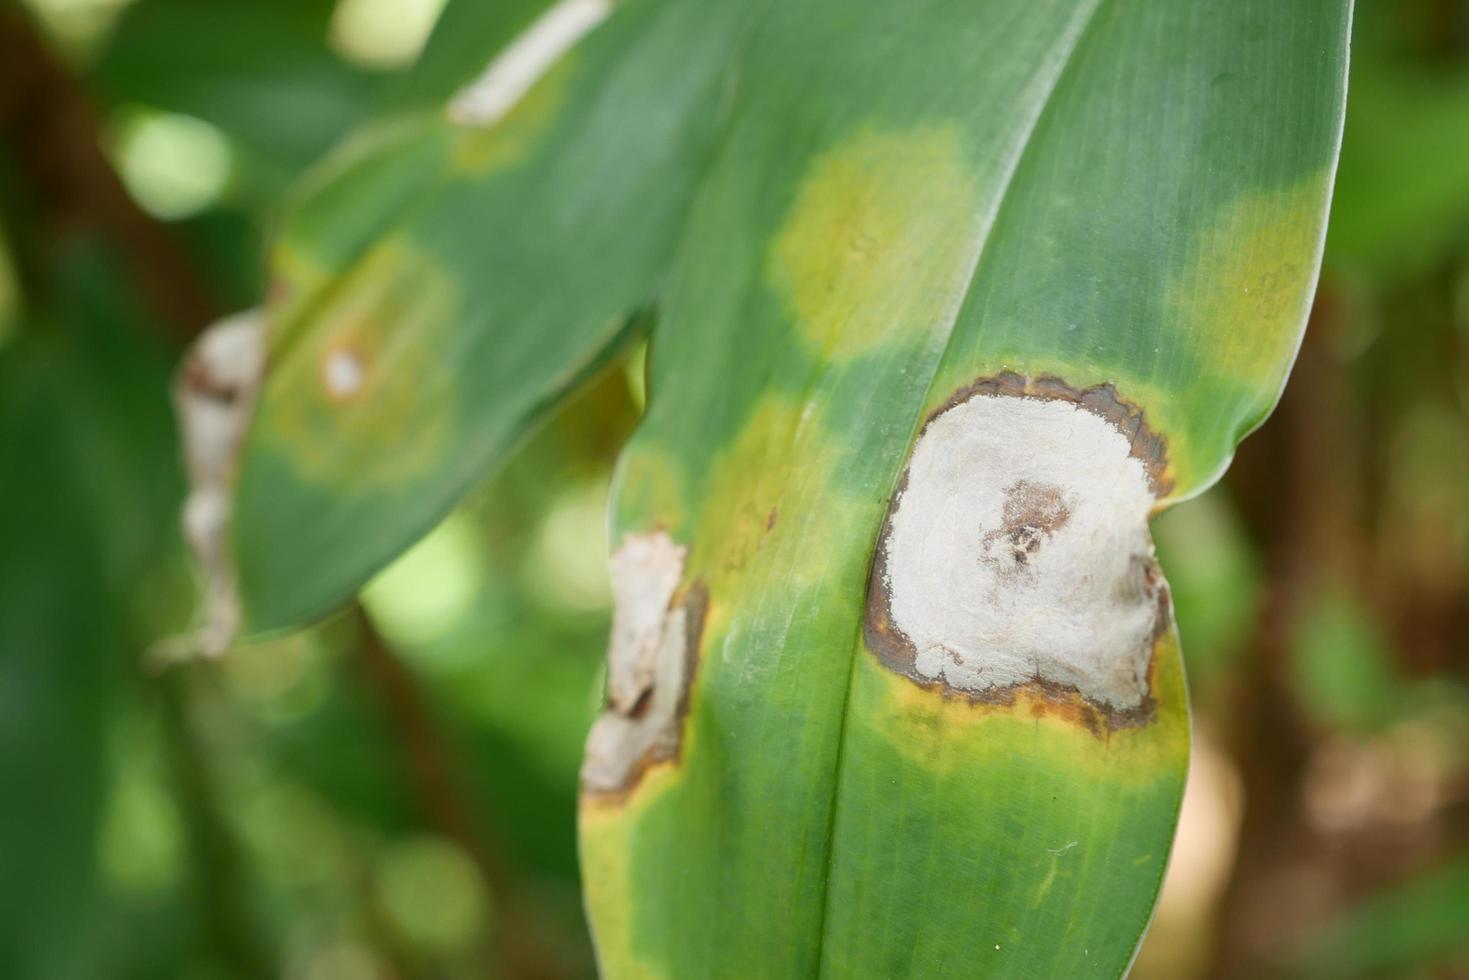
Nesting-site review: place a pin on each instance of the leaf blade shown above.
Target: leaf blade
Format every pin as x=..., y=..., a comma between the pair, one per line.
x=812, y=435
x=449, y=342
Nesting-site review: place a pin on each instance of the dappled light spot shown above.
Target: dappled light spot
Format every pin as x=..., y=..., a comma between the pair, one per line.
x=429, y=589
x=483, y=149
x=140, y=841
x=173, y=165
x=567, y=564
x=1203, y=855
x=430, y=890
x=382, y=33
x=879, y=241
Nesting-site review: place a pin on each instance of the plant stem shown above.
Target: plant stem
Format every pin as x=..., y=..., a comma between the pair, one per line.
x=431, y=769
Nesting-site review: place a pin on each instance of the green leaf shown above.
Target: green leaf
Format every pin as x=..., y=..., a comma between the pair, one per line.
x=1127, y=197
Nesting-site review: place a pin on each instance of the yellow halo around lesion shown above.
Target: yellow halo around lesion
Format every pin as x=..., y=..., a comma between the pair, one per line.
x=365, y=396
x=879, y=240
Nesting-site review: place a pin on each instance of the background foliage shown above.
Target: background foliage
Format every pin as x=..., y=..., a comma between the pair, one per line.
x=392, y=793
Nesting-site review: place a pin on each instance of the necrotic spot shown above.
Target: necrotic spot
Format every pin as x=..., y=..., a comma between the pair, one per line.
x=1017, y=552
x=650, y=664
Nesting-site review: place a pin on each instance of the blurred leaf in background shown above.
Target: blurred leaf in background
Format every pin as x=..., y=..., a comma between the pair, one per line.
x=322, y=806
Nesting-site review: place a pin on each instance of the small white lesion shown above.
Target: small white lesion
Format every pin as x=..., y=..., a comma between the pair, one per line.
x=1018, y=551
x=648, y=664
x=516, y=70
x=342, y=373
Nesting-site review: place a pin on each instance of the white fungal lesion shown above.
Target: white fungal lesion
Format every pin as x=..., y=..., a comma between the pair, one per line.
x=214, y=397
x=342, y=373
x=516, y=70
x=1018, y=551
x=649, y=663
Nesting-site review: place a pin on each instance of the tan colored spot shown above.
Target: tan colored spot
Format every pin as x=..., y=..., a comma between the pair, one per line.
x=880, y=239
x=1245, y=291
x=1016, y=555
x=650, y=665
x=215, y=396
x=365, y=393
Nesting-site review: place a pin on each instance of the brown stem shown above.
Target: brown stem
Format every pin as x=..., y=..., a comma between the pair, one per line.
x=430, y=767
x=51, y=128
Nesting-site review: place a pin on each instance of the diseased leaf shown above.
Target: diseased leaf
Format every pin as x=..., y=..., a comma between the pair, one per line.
x=496, y=263
x=951, y=297
x=1069, y=250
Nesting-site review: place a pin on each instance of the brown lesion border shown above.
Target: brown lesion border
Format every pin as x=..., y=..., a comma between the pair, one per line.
x=668, y=746
x=1044, y=697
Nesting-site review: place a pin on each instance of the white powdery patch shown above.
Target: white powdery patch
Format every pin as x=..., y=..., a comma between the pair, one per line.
x=515, y=70
x=647, y=663
x=1019, y=551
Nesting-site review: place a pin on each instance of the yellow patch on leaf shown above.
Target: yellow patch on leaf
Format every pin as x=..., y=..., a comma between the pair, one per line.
x=1247, y=284
x=650, y=489
x=775, y=476
x=880, y=239
x=365, y=394
x=605, y=830
x=948, y=733
x=297, y=280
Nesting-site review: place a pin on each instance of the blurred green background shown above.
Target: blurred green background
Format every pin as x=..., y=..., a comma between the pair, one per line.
x=392, y=794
